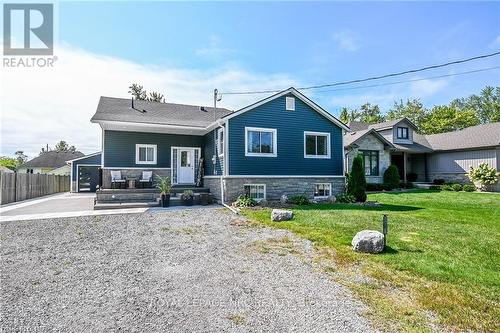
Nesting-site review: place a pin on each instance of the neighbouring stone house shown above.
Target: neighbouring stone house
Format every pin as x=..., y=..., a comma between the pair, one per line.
x=447, y=156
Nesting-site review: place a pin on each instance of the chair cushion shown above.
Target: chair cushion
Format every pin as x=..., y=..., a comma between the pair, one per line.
x=116, y=175
x=147, y=175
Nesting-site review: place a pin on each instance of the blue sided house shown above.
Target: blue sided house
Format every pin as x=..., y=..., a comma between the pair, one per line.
x=282, y=145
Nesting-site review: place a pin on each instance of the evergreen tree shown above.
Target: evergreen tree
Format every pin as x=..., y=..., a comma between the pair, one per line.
x=356, y=184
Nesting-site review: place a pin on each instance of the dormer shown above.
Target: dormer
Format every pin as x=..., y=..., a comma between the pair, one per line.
x=402, y=132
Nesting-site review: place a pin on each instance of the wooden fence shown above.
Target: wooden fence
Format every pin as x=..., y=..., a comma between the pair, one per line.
x=21, y=186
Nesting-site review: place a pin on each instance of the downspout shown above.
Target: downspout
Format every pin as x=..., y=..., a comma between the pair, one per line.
x=222, y=179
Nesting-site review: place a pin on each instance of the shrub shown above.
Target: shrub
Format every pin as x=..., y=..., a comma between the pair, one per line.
x=244, y=200
x=447, y=187
x=391, y=177
x=435, y=187
x=346, y=198
x=484, y=174
x=411, y=176
x=438, y=181
x=356, y=184
x=299, y=200
x=468, y=188
x=456, y=187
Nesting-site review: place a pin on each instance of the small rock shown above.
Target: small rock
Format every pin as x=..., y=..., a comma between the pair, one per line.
x=332, y=199
x=281, y=215
x=369, y=241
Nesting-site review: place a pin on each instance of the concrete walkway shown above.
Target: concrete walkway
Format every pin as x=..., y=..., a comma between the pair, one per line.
x=58, y=205
x=67, y=205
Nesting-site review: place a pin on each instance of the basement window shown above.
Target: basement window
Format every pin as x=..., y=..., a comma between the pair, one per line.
x=256, y=191
x=322, y=190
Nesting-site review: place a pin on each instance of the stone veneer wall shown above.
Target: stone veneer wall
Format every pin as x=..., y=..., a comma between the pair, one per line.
x=275, y=186
x=370, y=142
x=131, y=173
x=213, y=183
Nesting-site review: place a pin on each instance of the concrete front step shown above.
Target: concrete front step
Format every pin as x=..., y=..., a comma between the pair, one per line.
x=123, y=205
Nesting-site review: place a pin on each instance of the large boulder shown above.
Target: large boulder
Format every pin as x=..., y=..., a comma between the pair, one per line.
x=281, y=215
x=369, y=241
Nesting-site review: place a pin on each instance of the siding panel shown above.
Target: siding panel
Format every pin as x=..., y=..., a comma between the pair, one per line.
x=89, y=160
x=119, y=147
x=208, y=149
x=290, y=127
x=461, y=161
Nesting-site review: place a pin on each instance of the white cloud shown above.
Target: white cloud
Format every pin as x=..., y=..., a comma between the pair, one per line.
x=45, y=105
x=495, y=43
x=426, y=88
x=214, y=49
x=347, y=40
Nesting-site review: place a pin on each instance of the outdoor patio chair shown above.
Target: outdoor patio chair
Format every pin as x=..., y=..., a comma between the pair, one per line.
x=117, y=180
x=146, y=180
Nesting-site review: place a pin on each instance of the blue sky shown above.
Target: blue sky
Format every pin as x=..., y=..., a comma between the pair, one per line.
x=184, y=50
x=311, y=42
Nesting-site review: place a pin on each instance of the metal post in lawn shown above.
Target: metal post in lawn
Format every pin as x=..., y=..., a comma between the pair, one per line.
x=385, y=228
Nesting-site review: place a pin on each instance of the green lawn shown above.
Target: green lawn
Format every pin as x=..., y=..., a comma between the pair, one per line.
x=443, y=255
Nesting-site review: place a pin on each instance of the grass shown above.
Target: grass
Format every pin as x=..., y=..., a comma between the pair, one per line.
x=441, y=265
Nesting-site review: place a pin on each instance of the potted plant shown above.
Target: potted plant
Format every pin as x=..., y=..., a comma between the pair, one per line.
x=187, y=197
x=164, y=185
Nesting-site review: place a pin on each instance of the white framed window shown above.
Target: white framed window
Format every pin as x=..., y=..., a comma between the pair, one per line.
x=290, y=103
x=145, y=154
x=261, y=142
x=220, y=141
x=322, y=190
x=255, y=191
x=316, y=145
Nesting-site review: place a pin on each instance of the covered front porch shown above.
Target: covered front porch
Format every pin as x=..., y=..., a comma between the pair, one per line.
x=411, y=166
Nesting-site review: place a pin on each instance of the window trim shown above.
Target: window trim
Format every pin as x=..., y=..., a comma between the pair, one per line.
x=403, y=137
x=328, y=144
x=260, y=129
x=220, y=148
x=323, y=196
x=265, y=191
x=140, y=145
x=362, y=152
x=292, y=103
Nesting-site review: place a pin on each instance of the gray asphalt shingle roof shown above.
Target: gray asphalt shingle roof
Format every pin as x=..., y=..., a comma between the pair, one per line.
x=485, y=135
x=52, y=159
x=480, y=136
x=120, y=109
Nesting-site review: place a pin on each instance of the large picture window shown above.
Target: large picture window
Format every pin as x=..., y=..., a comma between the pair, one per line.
x=402, y=133
x=260, y=142
x=316, y=145
x=370, y=159
x=145, y=154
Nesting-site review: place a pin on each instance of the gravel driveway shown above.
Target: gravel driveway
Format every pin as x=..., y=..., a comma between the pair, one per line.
x=178, y=271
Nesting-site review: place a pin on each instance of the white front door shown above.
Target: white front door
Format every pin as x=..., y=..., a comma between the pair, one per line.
x=186, y=166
